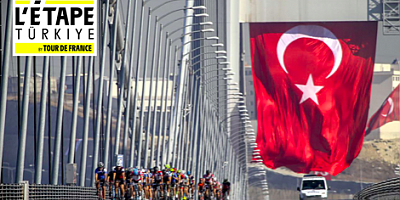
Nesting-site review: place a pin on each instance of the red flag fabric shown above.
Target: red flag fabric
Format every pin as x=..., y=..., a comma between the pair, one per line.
x=313, y=85
x=388, y=112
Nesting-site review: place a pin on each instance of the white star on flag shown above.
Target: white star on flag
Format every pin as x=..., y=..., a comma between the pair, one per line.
x=309, y=90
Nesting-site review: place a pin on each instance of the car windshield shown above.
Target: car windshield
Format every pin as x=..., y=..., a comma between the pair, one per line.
x=313, y=184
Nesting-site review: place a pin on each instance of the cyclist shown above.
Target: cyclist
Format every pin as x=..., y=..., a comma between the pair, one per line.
x=179, y=184
x=217, y=188
x=191, y=182
x=146, y=183
x=167, y=181
x=174, y=181
x=157, y=179
x=136, y=180
x=201, y=186
x=226, y=188
x=119, y=178
x=129, y=175
x=100, y=177
x=110, y=180
x=184, y=184
x=208, y=177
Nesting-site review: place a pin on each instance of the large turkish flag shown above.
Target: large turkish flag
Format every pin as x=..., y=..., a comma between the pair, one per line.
x=388, y=112
x=313, y=85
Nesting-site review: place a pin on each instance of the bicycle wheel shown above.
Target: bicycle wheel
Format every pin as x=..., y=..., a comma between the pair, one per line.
x=100, y=193
x=208, y=194
x=201, y=196
x=135, y=190
x=158, y=193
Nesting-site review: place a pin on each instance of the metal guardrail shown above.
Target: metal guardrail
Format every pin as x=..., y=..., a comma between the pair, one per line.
x=26, y=191
x=389, y=189
x=61, y=192
x=11, y=191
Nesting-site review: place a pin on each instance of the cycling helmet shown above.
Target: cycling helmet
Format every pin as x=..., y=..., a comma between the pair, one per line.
x=208, y=172
x=188, y=172
x=172, y=169
x=215, y=179
x=113, y=168
x=179, y=171
x=167, y=166
x=156, y=169
x=225, y=180
x=175, y=169
x=100, y=164
x=183, y=172
x=135, y=172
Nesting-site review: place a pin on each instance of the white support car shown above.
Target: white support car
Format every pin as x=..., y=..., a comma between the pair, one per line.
x=313, y=187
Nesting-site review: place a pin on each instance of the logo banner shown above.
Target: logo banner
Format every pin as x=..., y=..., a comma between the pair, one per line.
x=55, y=27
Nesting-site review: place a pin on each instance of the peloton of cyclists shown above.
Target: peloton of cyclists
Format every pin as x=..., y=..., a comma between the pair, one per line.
x=154, y=182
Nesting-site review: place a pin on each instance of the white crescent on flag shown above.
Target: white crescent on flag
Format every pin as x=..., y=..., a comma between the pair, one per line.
x=315, y=32
x=390, y=101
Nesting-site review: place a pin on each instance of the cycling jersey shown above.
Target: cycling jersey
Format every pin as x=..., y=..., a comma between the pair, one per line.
x=166, y=176
x=119, y=174
x=216, y=185
x=101, y=174
x=137, y=178
x=146, y=176
x=111, y=176
x=128, y=175
x=208, y=177
x=184, y=178
x=174, y=178
x=226, y=186
x=158, y=176
x=201, y=186
x=191, y=179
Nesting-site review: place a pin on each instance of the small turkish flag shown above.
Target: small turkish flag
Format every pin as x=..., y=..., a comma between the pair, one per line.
x=313, y=86
x=327, y=176
x=388, y=112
